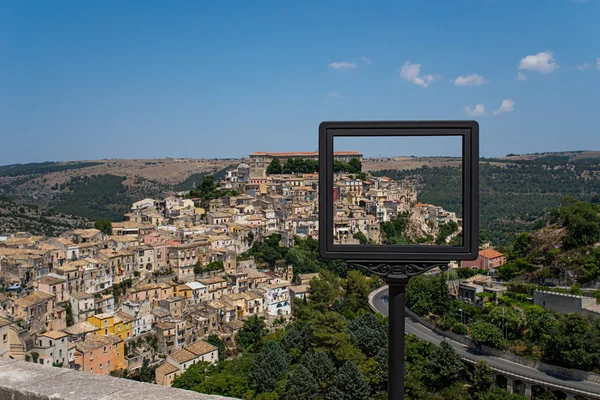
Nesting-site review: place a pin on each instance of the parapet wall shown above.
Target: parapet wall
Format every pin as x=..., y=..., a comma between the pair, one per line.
x=20, y=380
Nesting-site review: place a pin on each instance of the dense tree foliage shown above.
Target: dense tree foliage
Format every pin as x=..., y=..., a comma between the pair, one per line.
x=104, y=225
x=582, y=221
x=350, y=383
x=300, y=166
x=428, y=296
x=96, y=197
x=270, y=366
x=394, y=230
x=354, y=166
x=199, y=268
x=218, y=343
x=252, y=332
x=274, y=167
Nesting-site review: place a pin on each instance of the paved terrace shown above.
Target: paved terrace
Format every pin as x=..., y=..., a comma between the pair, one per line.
x=20, y=380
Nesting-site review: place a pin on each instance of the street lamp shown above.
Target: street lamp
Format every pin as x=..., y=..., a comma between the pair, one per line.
x=461, y=315
x=397, y=263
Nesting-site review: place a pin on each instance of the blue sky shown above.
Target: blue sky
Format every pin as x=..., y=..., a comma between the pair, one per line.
x=133, y=79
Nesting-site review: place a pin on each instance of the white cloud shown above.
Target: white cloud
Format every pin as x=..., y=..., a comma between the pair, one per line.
x=506, y=106
x=412, y=73
x=521, y=76
x=470, y=80
x=598, y=63
x=583, y=67
x=543, y=62
x=365, y=59
x=342, y=65
x=477, y=111
x=335, y=95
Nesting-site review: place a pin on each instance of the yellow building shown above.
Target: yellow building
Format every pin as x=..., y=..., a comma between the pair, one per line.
x=183, y=290
x=112, y=324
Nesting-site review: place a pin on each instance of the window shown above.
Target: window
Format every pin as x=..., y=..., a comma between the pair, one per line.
x=105, y=351
x=92, y=369
x=108, y=364
x=5, y=338
x=100, y=365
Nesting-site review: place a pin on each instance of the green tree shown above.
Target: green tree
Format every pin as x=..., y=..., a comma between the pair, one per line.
x=320, y=366
x=274, y=167
x=487, y=334
x=324, y=291
x=146, y=372
x=252, y=332
x=368, y=334
x=270, y=366
x=483, y=378
x=568, y=344
x=69, y=312
x=444, y=367
x=426, y=295
x=350, y=383
x=192, y=377
x=356, y=295
x=361, y=237
x=218, y=343
x=104, y=226
x=302, y=385
x=330, y=335
x=207, y=185
x=510, y=318
x=355, y=166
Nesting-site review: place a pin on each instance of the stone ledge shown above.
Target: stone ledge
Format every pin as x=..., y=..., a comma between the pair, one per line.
x=21, y=380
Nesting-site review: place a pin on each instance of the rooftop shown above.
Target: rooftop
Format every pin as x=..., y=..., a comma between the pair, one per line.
x=182, y=356
x=96, y=341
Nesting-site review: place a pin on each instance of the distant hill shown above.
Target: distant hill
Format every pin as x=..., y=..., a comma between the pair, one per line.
x=30, y=218
x=96, y=189
x=515, y=192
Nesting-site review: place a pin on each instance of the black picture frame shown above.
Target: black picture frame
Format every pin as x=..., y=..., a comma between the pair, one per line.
x=468, y=130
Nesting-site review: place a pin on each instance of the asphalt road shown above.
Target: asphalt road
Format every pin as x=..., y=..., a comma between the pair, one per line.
x=413, y=327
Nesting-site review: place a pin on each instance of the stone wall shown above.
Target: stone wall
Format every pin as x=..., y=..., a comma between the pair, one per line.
x=562, y=302
x=20, y=380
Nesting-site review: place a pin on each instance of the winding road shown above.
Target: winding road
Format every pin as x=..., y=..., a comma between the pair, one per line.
x=379, y=302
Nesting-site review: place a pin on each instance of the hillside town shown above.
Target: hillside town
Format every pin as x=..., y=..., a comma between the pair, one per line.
x=151, y=289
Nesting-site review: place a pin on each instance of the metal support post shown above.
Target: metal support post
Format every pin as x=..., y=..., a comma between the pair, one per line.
x=396, y=331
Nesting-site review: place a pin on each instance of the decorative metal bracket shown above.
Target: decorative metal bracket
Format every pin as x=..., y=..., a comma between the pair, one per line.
x=394, y=270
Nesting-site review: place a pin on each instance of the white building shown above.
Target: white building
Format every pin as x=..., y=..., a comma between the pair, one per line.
x=277, y=298
x=82, y=306
x=53, y=348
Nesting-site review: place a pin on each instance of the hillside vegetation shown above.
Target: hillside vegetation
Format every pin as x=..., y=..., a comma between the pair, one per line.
x=30, y=218
x=514, y=197
x=567, y=248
